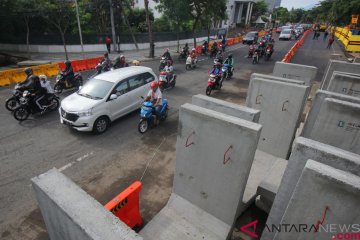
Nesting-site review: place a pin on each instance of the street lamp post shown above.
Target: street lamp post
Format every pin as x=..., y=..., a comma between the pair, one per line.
x=79, y=26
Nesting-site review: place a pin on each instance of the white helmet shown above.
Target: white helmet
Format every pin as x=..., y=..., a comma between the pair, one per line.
x=193, y=49
x=43, y=78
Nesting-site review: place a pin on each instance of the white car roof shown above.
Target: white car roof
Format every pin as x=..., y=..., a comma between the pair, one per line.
x=122, y=73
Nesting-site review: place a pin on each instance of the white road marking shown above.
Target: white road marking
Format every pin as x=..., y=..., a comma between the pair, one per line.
x=66, y=166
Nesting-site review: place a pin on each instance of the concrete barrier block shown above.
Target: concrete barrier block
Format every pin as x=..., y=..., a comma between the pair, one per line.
x=335, y=65
x=338, y=125
x=181, y=220
x=275, y=78
x=295, y=71
x=214, y=154
x=227, y=108
x=348, y=84
x=281, y=105
x=303, y=150
x=70, y=213
x=316, y=106
x=326, y=194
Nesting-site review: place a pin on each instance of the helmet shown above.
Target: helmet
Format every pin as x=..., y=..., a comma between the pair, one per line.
x=28, y=71
x=136, y=63
x=218, y=64
x=43, y=78
x=230, y=55
x=154, y=85
x=67, y=63
x=167, y=50
x=186, y=44
x=168, y=62
x=193, y=50
x=106, y=54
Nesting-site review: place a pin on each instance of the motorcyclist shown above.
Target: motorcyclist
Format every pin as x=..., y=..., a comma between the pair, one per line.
x=155, y=96
x=38, y=92
x=167, y=55
x=217, y=71
x=120, y=62
x=229, y=60
x=169, y=69
x=220, y=56
x=107, y=60
x=193, y=55
x=205, y=47
x=45, y=83
x=68, y=73
x=214, y=48
x=29, y=81
x=186, y=49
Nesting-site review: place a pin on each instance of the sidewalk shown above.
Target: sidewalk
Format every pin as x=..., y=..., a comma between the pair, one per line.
x=130, y=55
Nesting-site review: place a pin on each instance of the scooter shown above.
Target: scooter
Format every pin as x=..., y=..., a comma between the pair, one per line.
x=212, y=85
x=268, y=52
x=183, y=55
x=164, y=83
x=14, y=101
x=190, y=63
x=28, y=106
x=255, y=59
x=62, y=84
x=251, y=51
x=163, y=62
x=101, y=67
x=148, y=117
x=227, y=72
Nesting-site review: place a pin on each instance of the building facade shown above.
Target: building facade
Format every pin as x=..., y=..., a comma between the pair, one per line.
x=239, y=12
x=273, y=4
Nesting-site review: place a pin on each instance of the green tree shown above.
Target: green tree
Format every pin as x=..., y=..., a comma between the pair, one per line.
x=259, y=8
x=177, y=12
x=60, y=13
x=282, y=14
x=213, y=14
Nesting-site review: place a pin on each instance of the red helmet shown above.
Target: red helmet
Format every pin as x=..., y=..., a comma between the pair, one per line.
x=154, y=85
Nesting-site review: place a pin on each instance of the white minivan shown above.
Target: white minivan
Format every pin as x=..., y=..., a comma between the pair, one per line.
x=105, y=98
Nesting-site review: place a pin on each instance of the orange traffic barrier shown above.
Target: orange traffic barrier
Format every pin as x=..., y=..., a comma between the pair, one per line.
x=230, y=41
x=126, y=205
x=291, y=52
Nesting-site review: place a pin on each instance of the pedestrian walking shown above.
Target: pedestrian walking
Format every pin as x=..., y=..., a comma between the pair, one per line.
x=326, y=33
x=317, y=36
x=108, y=42
x=330, y=42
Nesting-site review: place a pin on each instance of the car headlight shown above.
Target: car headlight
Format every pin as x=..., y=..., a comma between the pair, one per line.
x=85, y=113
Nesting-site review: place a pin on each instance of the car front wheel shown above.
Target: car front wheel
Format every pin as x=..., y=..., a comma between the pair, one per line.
x=101, y=125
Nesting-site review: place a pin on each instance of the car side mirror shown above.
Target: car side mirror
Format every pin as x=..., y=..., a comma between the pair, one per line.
x=113, y=96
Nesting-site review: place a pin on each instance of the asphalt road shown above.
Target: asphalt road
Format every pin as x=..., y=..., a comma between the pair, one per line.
x=105, y=164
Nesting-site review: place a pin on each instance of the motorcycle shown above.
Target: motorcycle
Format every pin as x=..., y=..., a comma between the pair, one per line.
x=148, y=117
x=268, y=52
x=227, y=72
x=204, y=49
x=297, y=35
x=212, y=84
x=251, y=51
x=164, y=83
x=213, y=52
x=14, y=101
x=183, y=54
x=163, y=62
x=61, y=84
x=255, y=59
x=101, y=67
x=28, y=106
x=190, y=63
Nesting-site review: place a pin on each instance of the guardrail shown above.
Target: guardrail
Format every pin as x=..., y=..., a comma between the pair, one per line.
x=18, y=75
x=291, y=52
x=351, y=42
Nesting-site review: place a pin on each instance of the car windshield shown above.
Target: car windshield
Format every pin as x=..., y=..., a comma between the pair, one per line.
x=95, y=89
x=286, y=31
x=250, y=35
